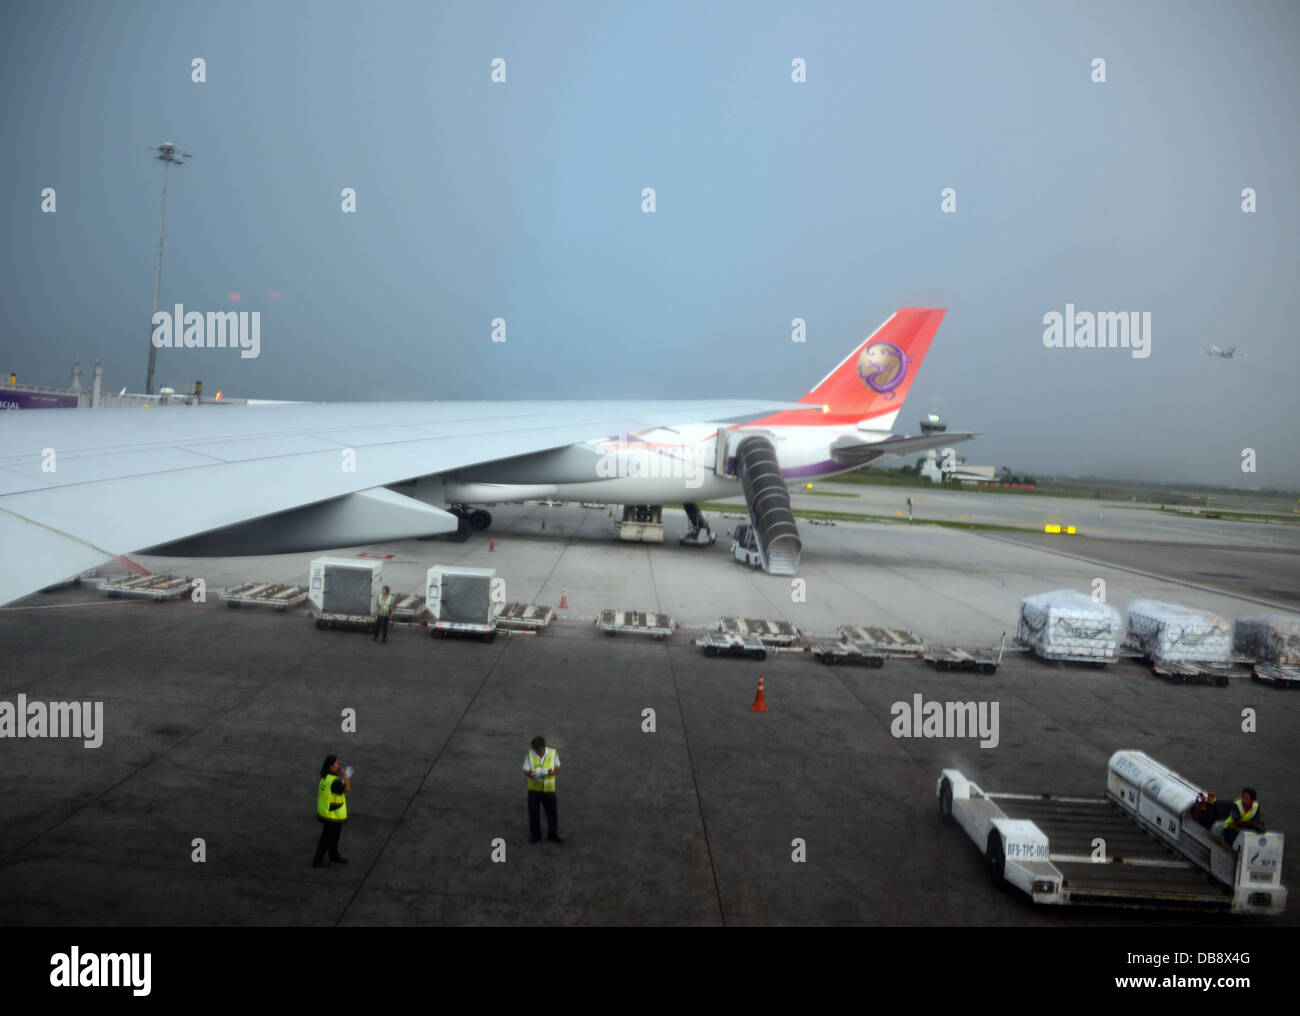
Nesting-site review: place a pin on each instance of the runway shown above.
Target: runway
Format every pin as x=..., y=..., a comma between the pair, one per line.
x=1122, y=520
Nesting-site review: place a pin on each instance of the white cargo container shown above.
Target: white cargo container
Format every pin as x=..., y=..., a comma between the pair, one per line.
x=1168, y=633
x=1066, y=624
x=345, y=590
x=460, y=600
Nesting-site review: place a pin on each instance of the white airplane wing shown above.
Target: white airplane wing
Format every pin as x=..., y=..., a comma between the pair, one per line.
x=80, y=486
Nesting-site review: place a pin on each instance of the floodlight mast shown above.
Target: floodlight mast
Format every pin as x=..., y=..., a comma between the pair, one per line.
x=168, y=156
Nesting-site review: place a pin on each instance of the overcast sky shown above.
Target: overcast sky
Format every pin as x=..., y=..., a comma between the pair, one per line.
x=821, y=200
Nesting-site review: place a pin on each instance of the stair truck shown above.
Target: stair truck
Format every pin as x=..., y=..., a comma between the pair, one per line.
x=1146, y=844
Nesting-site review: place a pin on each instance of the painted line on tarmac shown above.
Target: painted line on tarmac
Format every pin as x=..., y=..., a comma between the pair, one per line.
x=1289, y=608
x=70, y=606
x=695, y=783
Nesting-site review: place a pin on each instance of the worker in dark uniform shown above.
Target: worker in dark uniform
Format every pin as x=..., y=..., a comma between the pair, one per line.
x=1208, y=810
x=385, y=614
x=332, y=809
x=1245, y=815
x=540, y=766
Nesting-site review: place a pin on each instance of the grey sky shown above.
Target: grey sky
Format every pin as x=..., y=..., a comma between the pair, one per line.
x=775, y=200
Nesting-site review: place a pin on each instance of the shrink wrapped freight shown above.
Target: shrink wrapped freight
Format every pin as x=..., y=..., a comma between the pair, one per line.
x=1068, y=624
x=1171, y=633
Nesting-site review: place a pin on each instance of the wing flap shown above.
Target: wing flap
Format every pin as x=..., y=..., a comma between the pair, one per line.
x=37, y=555
x=369, y=516
x=849, y=451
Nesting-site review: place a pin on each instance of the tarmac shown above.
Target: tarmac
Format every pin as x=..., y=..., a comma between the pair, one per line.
x=217, y=720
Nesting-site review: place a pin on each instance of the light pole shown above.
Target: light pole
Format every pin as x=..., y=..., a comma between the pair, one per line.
x=169, y=157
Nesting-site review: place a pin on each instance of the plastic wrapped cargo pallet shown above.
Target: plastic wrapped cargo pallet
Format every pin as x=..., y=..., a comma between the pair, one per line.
x=1169, y=632
x=1274, y=638
x=1070, y=624
x=460, y=595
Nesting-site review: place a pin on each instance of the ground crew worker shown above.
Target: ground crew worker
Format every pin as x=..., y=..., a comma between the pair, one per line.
x=1245, y=815
x=385, y=612
x=540, y=765
x=332, y=809
x=1207, y=810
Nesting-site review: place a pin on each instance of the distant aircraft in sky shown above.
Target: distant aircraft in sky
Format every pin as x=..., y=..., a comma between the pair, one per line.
x=1228, y=354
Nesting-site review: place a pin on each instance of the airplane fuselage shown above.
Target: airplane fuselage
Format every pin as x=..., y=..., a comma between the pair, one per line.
x=841, y=424
x=660, y=466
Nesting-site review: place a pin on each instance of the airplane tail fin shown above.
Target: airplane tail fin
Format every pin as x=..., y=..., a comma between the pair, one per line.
x=875, y=378
x=872, y=381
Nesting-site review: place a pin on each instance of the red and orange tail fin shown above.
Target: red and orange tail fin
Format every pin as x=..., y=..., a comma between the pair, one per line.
x=874, y=379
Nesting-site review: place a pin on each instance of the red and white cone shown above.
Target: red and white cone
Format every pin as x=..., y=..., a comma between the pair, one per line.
x=760, y=702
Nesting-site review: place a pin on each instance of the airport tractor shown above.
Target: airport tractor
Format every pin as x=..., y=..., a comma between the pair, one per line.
x=744, y=547
x=644, y=523
x=1148, y=843
x=641, y=523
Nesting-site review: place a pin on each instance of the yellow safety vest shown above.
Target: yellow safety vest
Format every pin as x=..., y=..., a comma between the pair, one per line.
x=386, y=604
x=1246, y=816
x=325, y=797
x=547, y=761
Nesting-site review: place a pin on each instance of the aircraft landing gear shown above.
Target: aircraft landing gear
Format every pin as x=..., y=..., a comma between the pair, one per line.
x=699, y=535
x=472, y=520
x=463, y=529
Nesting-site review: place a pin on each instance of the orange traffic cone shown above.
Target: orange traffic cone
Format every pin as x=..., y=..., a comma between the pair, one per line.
x=611, y=512
x=760, y=702
x=492, y=543
x=543, y=523
x=564, y=597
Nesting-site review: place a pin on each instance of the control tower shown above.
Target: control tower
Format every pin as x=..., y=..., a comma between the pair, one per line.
x=932, y=424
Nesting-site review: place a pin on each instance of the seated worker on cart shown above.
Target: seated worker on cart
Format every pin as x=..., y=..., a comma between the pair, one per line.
x=1245, y=814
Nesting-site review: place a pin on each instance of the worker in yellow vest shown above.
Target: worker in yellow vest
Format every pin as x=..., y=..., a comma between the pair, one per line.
x=385, y=614
x=540, y=766
x=332, y=809
x=1245, y=815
